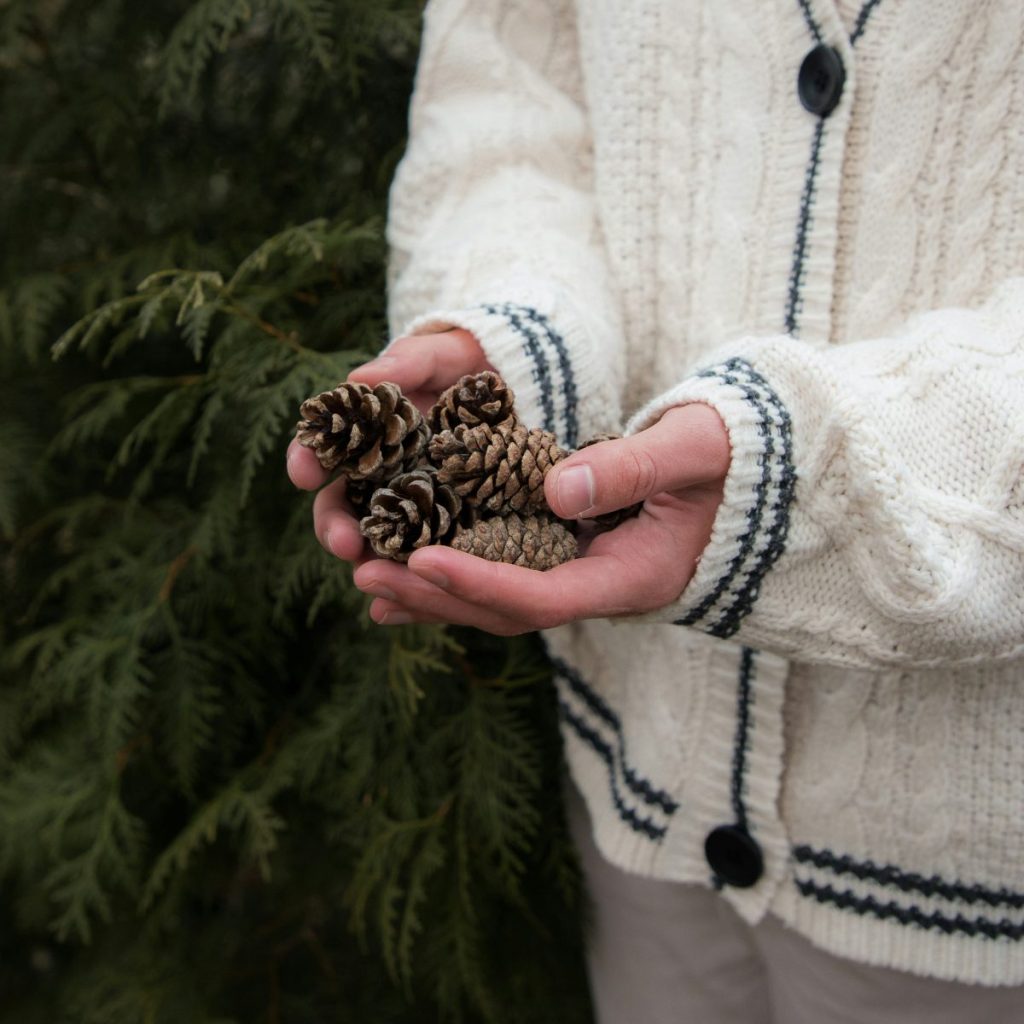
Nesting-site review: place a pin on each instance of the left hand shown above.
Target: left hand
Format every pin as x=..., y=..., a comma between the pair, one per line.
x=677, y=467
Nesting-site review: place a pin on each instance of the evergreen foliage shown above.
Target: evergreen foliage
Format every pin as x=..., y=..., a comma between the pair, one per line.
x=224, y=795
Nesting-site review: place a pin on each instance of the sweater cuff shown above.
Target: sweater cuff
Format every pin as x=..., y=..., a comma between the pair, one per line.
x=545, y=357
x=750, y=528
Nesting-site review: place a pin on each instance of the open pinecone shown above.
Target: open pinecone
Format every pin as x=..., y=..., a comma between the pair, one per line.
x=473, y=399
x=497, y=468
x=367, y=433
x=413, y=510
x=609, y=520
x=535, y=542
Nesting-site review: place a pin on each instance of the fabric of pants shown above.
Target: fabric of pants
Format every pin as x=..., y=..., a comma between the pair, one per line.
x=672, y=953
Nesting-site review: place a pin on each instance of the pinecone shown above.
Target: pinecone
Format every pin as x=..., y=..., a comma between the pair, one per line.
x=535, y=542
x=473, y=399
x=496, y=468
x=367, y=433
x=412, y=511
x=609, y=520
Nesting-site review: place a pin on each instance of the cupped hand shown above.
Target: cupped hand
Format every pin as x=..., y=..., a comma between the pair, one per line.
x=677, y=467
x=422, y=366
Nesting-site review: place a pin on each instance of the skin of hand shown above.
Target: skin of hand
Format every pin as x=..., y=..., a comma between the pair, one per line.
x=677, y=467
x=422, y=367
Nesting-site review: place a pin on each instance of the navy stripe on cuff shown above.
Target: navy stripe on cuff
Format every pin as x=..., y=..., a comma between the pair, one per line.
x=546, y=348
x=763, y=540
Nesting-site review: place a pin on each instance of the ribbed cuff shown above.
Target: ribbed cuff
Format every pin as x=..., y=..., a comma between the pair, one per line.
x=545, y=357
x=749, y=533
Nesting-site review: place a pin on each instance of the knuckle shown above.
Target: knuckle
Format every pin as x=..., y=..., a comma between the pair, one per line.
x=641, y=475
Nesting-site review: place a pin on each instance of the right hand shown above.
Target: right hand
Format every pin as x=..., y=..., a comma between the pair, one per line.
x=422, y=366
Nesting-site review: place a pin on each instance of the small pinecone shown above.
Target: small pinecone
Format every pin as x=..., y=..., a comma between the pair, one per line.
x=473, y=399
x=534, y=542
x=496, y=468
x=367, y=433
x=412, y=511
x=609, y=520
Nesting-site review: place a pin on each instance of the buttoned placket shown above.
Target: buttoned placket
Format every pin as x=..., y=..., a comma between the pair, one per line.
x=747, y=852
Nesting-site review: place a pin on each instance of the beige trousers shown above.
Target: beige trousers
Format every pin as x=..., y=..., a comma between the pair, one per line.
x=670, y=953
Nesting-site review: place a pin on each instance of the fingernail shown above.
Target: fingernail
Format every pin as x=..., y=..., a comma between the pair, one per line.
x=395, y=619
x=378, y=590
x=431, y=574
x=575, y=491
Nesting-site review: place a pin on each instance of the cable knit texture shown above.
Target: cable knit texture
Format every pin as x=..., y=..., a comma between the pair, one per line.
x=630, y=208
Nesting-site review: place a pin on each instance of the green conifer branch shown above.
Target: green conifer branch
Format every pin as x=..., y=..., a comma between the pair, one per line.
x=202, y=737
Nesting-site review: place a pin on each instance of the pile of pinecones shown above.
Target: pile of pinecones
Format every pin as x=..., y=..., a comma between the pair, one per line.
x=470, y=475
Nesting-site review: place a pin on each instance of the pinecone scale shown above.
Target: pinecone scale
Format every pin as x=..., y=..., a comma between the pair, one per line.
x=496, y=468
x=472, y=400
x=414, y=510
x=535, y=542
x=366, y=433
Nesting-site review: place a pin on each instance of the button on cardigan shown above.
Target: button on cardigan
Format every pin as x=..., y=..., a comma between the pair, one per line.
x=631, y=208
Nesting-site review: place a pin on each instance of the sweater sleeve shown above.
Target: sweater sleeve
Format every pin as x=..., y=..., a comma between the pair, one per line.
x=492, y=224
x=874, y=510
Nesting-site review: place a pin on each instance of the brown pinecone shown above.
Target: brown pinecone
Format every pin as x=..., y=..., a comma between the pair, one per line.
x=496, y=468
x=535, y=542
x=413, y=510
x=473, y=399
x=367, y=433
x=609, y=520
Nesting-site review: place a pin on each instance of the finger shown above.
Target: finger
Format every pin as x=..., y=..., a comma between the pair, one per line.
x=304, y=470
x=399, y=590
x=334, y=524
x=687, y=447
x=427, y=362
x=638, y=571
x=388, y=613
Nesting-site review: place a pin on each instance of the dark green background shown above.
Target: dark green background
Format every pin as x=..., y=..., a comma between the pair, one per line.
x=224, y=796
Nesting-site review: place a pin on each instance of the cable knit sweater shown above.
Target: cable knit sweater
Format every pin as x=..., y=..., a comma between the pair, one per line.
x=631, y=208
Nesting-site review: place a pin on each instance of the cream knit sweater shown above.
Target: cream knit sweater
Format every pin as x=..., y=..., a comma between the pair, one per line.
x=629, y=206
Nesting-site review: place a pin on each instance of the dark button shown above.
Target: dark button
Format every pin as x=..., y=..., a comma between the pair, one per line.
x=734, y=856
x=820, y=82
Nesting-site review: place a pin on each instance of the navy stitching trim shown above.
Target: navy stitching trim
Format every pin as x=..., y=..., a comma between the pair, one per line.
x=541, y=373
x=637, y=822
x=778, y=531
x=745, y=697
x=794, y=302
x=846, y=900
x=742, y=602
x=906, y=881
x=599, y=707
x=862, y=20
x=570, y=415
x=746, y=540
x=812, y=25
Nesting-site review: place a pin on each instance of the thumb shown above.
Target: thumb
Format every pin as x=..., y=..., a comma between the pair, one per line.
x=687, y=447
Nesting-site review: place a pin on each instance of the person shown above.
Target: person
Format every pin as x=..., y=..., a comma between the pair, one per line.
x=781, y=243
